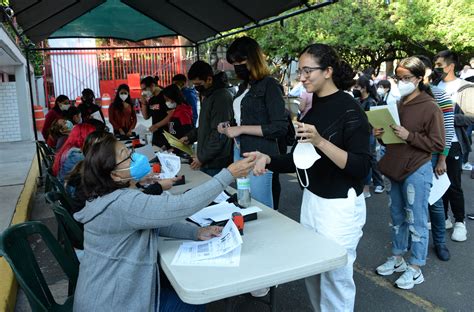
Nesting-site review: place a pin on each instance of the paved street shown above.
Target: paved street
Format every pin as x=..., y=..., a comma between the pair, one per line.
x=448, y=285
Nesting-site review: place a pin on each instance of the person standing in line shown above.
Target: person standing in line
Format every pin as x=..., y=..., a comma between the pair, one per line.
x=259, y=111
x=408, y=166
x=333, y=203
x=122, y=116
x=438, y=161
x=367, y=96
x=189, y=94
x=444, y=69
x=214, y=150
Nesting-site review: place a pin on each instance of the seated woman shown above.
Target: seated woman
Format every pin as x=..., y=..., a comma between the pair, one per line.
x=58, y=133
x=181, y=121
x=122, y=116
x=70, y=154
x=61, y=105
x=119, y=269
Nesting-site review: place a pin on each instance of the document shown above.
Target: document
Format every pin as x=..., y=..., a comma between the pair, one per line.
x=439, y=187
x=220, y=212
x=222, y=197
x=392, y=108
x=173, y=141
x=218, y=251
x=382, y=118
x=170, y=165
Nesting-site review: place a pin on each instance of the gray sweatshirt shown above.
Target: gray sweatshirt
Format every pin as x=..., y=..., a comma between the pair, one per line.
x=119, y=270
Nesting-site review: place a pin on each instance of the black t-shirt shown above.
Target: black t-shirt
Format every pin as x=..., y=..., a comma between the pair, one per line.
x=340, y=120
x=158, y=111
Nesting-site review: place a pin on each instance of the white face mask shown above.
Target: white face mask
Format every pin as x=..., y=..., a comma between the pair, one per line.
x=65, y=107
x=171, y=105
x=304, y=156
x=381, y=92
x=406, y=88
x=123, y=96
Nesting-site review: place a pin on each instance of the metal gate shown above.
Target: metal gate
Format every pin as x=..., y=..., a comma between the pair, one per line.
x=69, y=71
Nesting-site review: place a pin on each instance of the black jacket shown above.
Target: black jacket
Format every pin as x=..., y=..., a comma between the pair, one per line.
x=264, y=106
x=461, y=122
x=214, y=150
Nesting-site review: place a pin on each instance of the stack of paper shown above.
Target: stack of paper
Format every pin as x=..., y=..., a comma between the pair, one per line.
x=173, y=141
x=384, y=117
x=220, y=212
x=218, y=251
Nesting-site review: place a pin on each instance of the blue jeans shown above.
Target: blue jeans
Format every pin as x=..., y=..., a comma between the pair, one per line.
x=438, y=227
x=260, y=186
x=374, y=174
x=170, y=302
x=409, y=211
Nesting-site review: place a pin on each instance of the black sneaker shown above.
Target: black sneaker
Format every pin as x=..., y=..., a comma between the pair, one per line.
x=442, y=252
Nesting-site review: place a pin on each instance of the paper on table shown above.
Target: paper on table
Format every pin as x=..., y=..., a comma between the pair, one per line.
x=173, y=141
x=220, y=212
x=170, y=165
x=221, y=197
x=381, y=118
x=439, y=187
x=230, y=259
x=190, y=252
x=392, y=108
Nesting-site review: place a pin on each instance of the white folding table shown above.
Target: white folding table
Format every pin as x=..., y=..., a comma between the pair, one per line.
x=275, y=250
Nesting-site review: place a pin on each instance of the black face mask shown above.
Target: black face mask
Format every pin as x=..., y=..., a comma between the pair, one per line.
x=242, y=71
x=357, y=93
x=437, y=75
x=200, y=88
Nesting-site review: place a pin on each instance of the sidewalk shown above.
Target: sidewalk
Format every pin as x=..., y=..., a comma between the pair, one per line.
x=18, y=177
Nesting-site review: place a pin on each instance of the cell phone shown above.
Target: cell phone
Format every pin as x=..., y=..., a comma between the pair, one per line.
x=181, y=181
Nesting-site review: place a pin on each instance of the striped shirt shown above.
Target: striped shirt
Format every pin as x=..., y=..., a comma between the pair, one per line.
x=446, y=104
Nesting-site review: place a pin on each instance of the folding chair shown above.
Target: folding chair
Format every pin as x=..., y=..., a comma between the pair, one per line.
x=16, y=249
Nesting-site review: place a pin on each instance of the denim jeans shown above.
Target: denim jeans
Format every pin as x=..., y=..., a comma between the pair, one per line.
x=260, y=186
x=438, y=227
x=170, y=302
x=374, y=173
x=409, y=211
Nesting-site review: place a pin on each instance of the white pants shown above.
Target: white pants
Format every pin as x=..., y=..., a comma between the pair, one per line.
x=340, y=220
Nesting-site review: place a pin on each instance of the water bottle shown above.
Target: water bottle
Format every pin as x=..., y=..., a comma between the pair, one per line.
x=148, y=137
x=243, y=192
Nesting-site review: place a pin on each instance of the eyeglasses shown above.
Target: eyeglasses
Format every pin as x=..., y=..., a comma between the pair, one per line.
x=404, y=78
x=127, y=158
x=306, y=71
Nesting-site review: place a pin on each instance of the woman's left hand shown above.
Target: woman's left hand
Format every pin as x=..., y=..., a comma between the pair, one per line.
x=209, y=232
x=307, y=134
x=400, y=132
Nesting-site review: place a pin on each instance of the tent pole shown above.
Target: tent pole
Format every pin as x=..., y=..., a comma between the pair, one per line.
x=196, y=47
x=30, y=87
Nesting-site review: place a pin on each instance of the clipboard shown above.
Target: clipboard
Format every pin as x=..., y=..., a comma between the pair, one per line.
x=173, y=141
x=382, y=118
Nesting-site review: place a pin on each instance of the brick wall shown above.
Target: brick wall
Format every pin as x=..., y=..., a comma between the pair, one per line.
x=9, y=116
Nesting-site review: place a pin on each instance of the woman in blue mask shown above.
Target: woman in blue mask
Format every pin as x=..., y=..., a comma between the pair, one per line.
x=120, y=269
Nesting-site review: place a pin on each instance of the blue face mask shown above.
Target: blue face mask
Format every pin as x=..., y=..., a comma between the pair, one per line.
x=139, y=166
x=69, y=124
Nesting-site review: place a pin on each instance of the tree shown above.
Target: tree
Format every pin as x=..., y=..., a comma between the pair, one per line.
x=370, y=32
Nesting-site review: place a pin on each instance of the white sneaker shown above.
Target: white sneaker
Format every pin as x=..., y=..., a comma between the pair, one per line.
x=467, y=166
x=260, y=292
x=429, y=226
x=449, y=224
x=379, y=189
x=410, y=278
x=393, y=264
x=367, y=195
x=460, y=232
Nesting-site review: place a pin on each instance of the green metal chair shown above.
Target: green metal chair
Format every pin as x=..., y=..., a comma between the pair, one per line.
x=57, y=186
x=68, y=228
x=16, y=249
x=47, y=154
